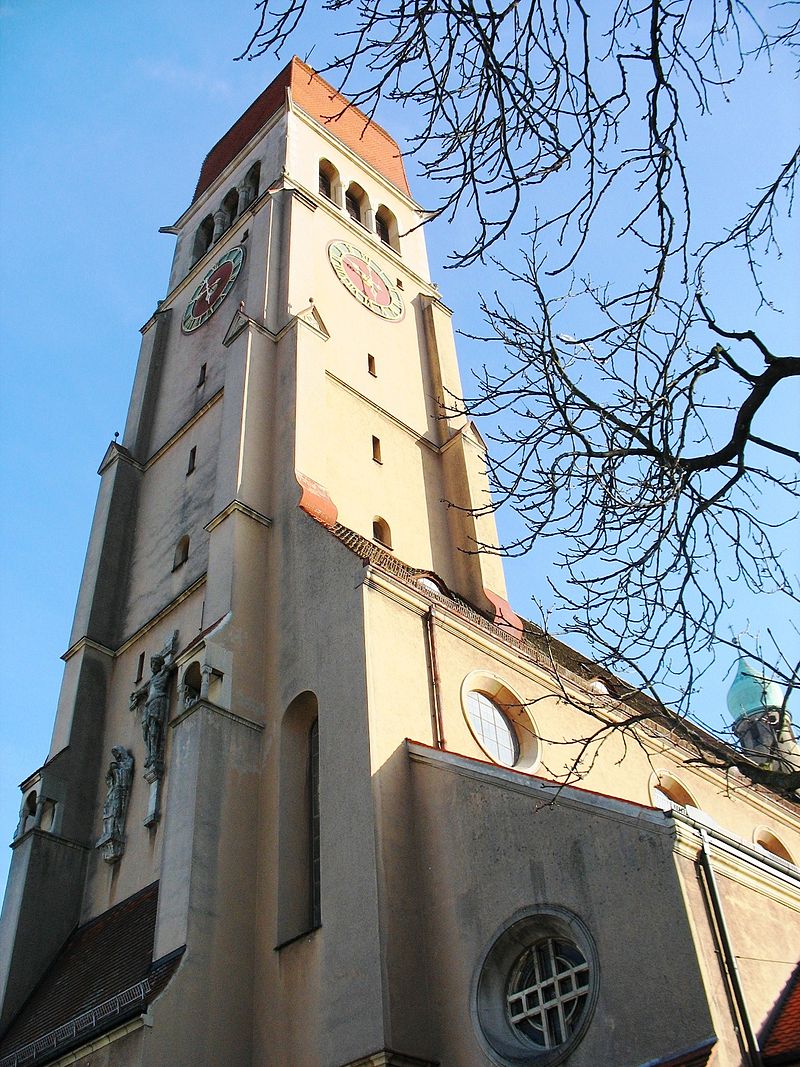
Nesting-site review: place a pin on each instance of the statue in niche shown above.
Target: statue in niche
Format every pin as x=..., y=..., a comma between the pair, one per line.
x=190, y=695
x=154, y=694
x=193, y=685
x=118, y=788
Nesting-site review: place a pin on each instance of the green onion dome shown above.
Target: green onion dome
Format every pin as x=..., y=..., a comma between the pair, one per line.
x=751, y=691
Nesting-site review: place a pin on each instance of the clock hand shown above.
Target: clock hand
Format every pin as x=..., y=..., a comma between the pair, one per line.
x=366, y=280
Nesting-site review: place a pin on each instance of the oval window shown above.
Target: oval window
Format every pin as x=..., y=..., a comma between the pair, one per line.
x=492, y=729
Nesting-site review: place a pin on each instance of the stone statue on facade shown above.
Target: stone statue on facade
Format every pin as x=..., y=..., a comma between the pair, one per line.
x=118, y=788
x=154, y=695
x=153, y=699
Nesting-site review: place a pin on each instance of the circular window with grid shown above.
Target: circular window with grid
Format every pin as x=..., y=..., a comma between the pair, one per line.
x=492, y=729
x=547, y=992
x=536, y=988
x=499, y=721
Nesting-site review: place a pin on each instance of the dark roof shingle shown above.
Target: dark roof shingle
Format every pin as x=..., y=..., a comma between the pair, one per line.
x=107, y=957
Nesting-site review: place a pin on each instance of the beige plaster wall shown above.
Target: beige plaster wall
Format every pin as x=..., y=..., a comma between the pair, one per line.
x=405, y=848
x=309, y=142
x=172, y=503
x=354, y=329
x=335, y=972
x=762, y=922
x=468, y=854
x=617, y=764
x=178, y=395
x=764, y=928
x=395, y=489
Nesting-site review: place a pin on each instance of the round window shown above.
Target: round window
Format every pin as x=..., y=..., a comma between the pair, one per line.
x=547, y=992
x=492, y=729
x=500, y=721
x=536, y=988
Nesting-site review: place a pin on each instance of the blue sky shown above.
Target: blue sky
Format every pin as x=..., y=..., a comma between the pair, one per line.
x=107, y=112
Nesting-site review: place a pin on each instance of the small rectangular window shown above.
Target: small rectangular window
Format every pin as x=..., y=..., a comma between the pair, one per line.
x=399, y=283
x=140, y=668
x=202, y=379
x=192, y=460
x=376, y=450
x=371, y=365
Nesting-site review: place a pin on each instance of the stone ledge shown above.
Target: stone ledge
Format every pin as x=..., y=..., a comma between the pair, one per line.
x=199, y=704
x=387, y=1058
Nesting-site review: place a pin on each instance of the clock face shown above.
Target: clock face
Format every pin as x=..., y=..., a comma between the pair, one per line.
x=213, y=289
x=365, y=280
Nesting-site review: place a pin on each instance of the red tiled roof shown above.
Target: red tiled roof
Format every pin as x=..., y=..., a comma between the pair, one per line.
x=781, y=1041
x=105, y=958
x=323, y=103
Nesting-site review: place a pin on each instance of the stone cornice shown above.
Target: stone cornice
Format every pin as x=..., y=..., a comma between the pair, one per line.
x=87, y=642
x=237, y=506
x=162, y=614
x=735, y=859
x=215, y=709
x=98, y=1043
x=547, y=792
x=190, y=422
x=417, y=437
x=37, y=831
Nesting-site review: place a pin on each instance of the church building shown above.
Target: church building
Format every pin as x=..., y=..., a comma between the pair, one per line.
x=316, y=795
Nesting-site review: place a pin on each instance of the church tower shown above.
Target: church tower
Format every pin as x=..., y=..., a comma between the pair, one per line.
x=290, y=387
x=316, y=795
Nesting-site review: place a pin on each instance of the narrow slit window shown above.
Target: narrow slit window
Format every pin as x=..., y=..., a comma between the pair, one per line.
x=356, y=204
x=371, y=365
x=201, y=380
x=376, y=449
x=386, y=227
x=181, y=552
x=140, y=668
x=203, y=239
x=314, y=838
x=352, y=206
x=329, y=184
x=382, y=229
x=192, y=460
